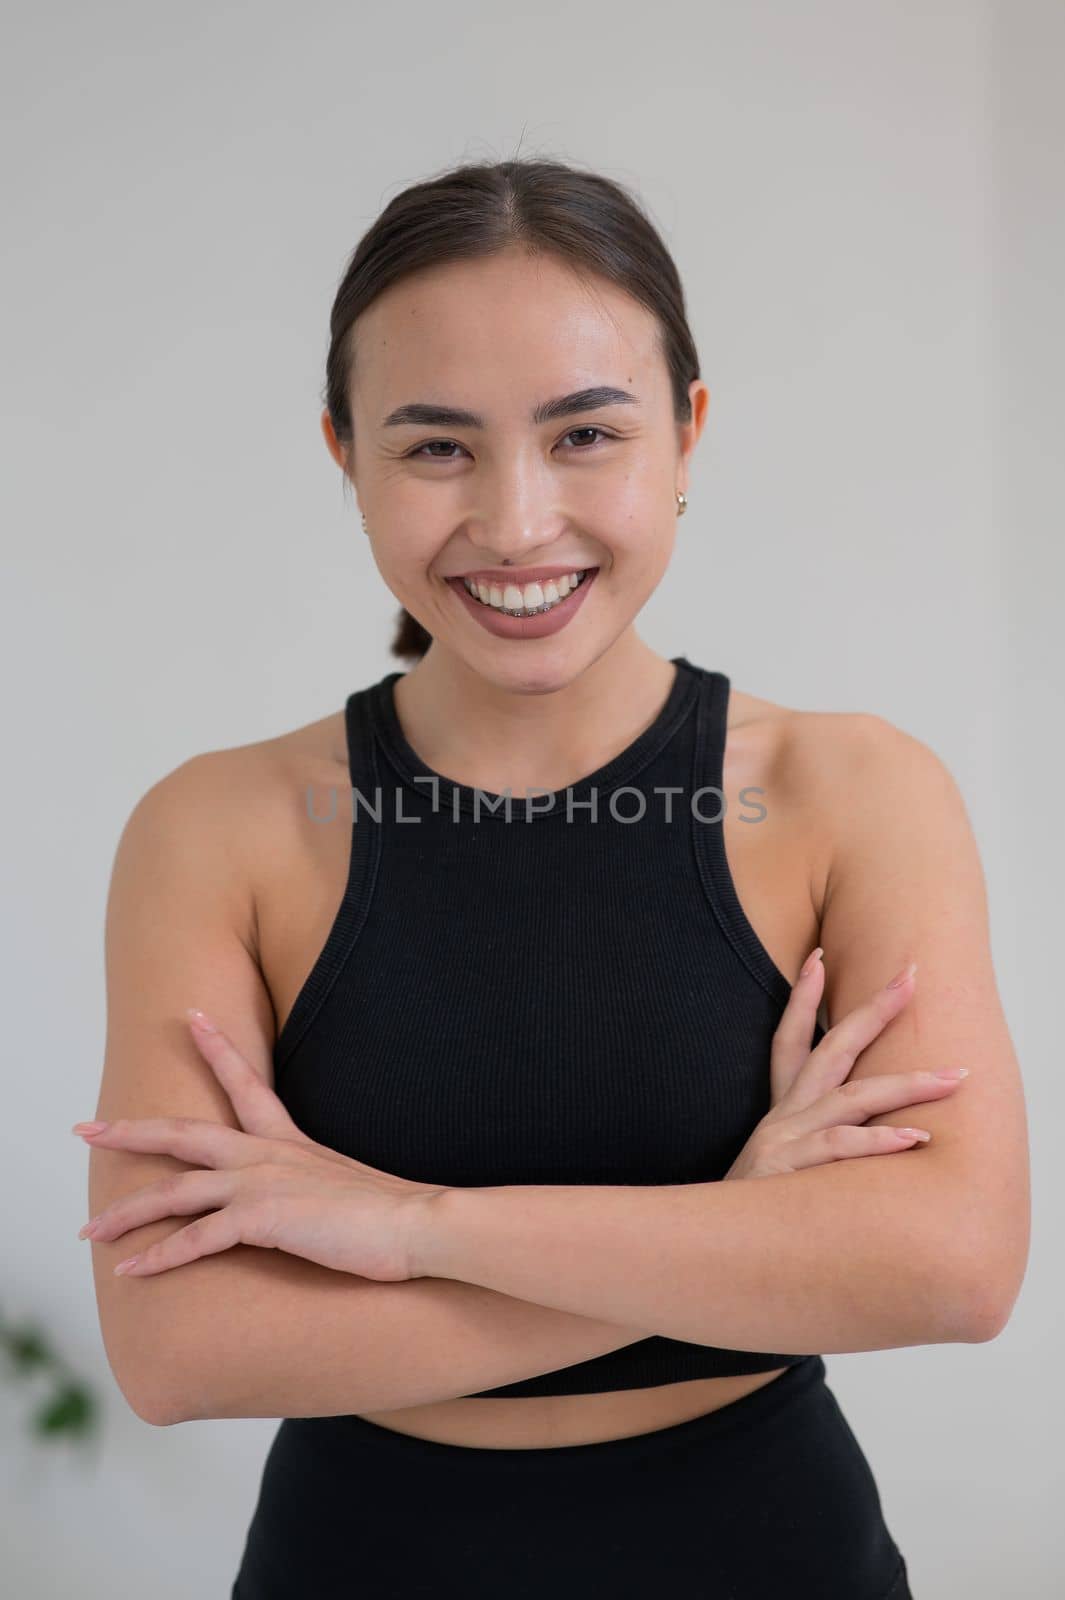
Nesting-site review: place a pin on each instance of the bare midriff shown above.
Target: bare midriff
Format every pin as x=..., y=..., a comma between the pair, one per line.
x=535, y=1421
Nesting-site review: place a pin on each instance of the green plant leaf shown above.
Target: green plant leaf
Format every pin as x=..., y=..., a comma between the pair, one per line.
x=69, y=1410
x=27, y=1348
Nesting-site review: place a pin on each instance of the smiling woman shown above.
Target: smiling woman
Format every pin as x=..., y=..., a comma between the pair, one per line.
x=536, y=1164
x=516, y=484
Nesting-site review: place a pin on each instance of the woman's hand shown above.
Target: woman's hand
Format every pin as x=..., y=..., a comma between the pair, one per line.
x=269, y=1185
x=815, y=1116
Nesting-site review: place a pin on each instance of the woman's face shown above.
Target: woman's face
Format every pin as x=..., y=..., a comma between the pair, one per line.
x=504, y=491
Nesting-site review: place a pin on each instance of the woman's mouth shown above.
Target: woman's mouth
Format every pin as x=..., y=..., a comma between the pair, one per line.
x=524, y=610
x=529, y=599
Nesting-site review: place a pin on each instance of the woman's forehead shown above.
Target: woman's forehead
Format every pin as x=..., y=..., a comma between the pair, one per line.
x=439, y=339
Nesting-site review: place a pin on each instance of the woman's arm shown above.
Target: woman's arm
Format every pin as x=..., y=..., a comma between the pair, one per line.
x=922, y=1246
x=302, y=1341
x=254, y=1332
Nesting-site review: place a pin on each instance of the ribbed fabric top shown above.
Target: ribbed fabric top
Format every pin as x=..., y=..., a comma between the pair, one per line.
x=566, y=993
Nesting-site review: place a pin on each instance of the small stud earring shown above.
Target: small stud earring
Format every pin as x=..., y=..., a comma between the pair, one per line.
x=682, y=503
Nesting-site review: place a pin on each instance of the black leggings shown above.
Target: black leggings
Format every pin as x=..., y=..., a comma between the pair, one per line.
x=767, y=1498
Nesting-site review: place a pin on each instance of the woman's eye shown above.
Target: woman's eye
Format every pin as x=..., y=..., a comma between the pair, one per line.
x=449, y=444
x=429, y=450
x=574, y=431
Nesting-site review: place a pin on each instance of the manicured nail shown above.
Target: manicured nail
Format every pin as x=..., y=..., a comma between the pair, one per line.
x=199, y=1020
x=900, y=978
x=124, y=1266
x=913, y=1133
x=953, y=1072
x=811, y=961
x=89, y=1229
x=87, y=1129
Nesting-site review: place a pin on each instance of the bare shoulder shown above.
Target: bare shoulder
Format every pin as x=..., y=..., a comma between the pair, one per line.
x=857, y=762
x=243, y=809
x=836, y=773
x=800, y=749
x=811, y=738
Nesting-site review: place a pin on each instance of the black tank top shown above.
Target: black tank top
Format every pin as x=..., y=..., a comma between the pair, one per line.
x=567, y=994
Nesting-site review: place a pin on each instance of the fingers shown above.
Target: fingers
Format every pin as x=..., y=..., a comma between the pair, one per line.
x=861, y=1098
x=776, y=1148
x=207, y=1236
x=179, y=1195
x=257, y=1107
x=793, y=1038
x=829, y=1063
x=844, y=1143
x=201, y=1144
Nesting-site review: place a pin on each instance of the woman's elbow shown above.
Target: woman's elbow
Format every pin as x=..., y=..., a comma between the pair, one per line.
x=990, y=1310
x=139, y=1342
x=146, y=1382
x=994, y=1278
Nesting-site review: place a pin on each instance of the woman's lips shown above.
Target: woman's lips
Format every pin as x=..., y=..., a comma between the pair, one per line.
x=535, y=627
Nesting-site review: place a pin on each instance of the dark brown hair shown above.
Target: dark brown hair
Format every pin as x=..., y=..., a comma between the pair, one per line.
x=591, y=222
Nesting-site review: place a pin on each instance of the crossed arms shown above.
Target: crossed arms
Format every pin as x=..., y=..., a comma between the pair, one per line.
x=925, y=1245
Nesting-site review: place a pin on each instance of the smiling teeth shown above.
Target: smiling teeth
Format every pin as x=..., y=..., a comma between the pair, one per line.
x=529, y=600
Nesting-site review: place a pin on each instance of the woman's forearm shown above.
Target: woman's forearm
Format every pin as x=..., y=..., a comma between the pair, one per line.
x=284, y=1337
x=854, y=1255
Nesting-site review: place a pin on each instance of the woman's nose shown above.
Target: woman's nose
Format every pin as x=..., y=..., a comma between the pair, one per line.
x=514, y=538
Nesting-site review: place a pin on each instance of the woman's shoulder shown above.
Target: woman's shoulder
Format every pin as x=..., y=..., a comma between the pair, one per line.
x=794, y=748
x=812, y=745
x=244, y=811
x=835, y=774
x=246, y=782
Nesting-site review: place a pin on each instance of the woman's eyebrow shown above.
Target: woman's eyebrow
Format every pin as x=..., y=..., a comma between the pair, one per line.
x=424, y=414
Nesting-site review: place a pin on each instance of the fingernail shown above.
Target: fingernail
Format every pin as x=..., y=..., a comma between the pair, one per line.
x=87, y=1129
x=89, y=1228
x=953, y=1072
x=199, y=1020
x=811, y=961
x=900, y=978
x=914, y=1133
x=124, y=1266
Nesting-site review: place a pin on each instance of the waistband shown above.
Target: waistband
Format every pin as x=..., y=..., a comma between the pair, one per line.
x=747, y=1413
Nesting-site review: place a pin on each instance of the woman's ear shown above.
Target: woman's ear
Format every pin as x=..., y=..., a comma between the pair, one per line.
x=699, y=397
x=332, y=443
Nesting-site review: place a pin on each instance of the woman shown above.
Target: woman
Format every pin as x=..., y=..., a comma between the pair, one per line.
x=491, y=1060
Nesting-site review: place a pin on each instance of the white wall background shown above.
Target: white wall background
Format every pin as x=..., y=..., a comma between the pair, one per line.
x=860, y=198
